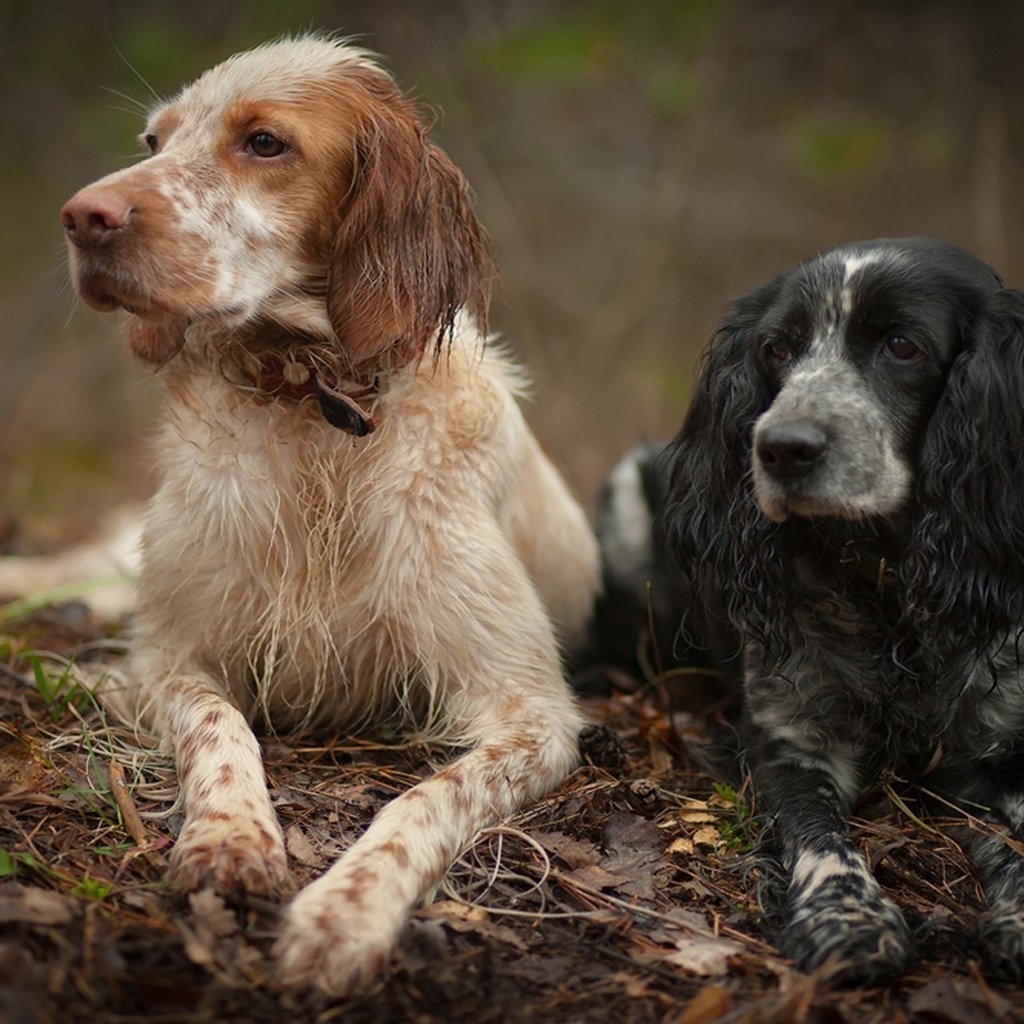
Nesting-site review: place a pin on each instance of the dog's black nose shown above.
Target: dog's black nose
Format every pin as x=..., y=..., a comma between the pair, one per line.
x=788, y=451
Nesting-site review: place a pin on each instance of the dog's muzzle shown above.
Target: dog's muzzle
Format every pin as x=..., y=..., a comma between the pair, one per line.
x=791, y=450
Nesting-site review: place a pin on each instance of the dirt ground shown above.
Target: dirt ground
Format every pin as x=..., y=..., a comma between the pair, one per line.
x=634, y=893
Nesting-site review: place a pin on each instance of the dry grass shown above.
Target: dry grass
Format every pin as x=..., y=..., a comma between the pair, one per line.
x=631, y=894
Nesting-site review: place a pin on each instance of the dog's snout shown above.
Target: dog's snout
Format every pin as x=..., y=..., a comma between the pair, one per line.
x=788, y=451
x=95, y=218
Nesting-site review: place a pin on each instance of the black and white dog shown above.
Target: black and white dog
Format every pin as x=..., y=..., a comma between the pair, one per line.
x=846, y=505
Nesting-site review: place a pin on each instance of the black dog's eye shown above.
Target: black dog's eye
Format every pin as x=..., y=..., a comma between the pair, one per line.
x=151, y=141
x=902, y=349
x=263, y=144
x=778, y=352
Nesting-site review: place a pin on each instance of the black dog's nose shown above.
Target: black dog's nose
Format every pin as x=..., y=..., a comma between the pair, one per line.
x=788, y=451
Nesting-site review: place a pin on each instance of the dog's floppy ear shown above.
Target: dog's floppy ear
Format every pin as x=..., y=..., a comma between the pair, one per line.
x=409, y=251
x=710, y=515
x=964, y=570
x=708, y=464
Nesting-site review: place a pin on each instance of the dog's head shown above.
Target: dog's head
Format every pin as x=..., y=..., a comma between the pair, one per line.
x=292, y=183
x=854, y=349
x=880, y=381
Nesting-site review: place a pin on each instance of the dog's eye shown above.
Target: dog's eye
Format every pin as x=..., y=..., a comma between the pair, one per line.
x=902, y=349
x=778, y=352
x=263, y=144
x=151, y=141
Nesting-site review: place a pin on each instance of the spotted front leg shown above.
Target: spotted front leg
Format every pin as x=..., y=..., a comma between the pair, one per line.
x=993, y=789
x=835, y=909
x=231, y=840
x=340, y=930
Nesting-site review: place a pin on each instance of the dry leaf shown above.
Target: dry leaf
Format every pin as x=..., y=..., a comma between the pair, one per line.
x=593, y=876
x=960, y=1001
x=300, y=847
x=697, y=817
x=711, y=1003
x=360, y=795
x=31, y=905
x=574, y=853
x=639, y=988
x=706, y=836
x=661, y=757
x=211, y=922
x=210, y=911
x=636, y=852
x=707, y=955
x=462, y=918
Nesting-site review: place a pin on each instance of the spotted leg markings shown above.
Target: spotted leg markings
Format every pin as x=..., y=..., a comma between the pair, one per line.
x=999, y=937
x=999, y=932
x=340, y=930
x=231, y=839
x=231, y=854
x=838, y=911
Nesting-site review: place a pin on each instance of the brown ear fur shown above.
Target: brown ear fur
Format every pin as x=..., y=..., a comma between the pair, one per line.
x=410, y=251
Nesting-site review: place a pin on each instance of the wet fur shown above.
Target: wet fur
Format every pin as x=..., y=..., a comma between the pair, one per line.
x=874, y=604
x=426, y=575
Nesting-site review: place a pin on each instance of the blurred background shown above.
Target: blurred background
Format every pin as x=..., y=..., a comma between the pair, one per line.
x=637, y=165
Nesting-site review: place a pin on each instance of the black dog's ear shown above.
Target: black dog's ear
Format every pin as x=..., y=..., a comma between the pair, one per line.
x=710, y=505
x=964, y=570
x=707, y=463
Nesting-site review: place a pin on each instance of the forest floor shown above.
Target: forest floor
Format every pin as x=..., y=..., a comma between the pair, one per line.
x=634, y=893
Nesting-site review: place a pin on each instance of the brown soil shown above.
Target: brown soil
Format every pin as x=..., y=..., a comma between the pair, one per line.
x=634, y=893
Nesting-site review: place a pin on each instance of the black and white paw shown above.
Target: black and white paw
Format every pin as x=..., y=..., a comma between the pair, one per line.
x=866, y=937
x=999, y=938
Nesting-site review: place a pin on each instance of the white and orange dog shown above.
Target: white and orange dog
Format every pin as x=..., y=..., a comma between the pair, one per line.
x=353, y=523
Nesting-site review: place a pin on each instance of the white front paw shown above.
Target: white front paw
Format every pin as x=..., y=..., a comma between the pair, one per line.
x=231, y=854
x=335, y=939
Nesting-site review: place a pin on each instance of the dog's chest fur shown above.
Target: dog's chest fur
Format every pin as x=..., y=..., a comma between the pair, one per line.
x=848, y=679
x=281, y=522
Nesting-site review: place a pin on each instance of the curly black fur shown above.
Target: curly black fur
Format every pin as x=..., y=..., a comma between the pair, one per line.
x=872, y=570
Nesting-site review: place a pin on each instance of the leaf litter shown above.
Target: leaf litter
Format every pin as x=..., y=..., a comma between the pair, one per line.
x=633, y=893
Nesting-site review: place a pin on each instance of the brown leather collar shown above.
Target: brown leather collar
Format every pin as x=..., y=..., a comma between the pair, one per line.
x=291, y=376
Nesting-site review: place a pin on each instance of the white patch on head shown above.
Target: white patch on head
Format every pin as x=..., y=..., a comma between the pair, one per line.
x=862, y=472
x=853, y=265
x=281, y=69
x=247, y=234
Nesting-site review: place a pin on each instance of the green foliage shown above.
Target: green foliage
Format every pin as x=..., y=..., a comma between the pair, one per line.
x=117, y=850
x=19, y=863
x=59, y=691
x=738, y=830
x=91, y=889
x=838, y=148
x=25, y=864
x=563, y=54
x=653, y=44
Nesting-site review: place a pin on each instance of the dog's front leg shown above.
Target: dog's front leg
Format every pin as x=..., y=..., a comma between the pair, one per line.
x=497, y=671
x=835, y=908
x=992, y=788
x=231, y=839
x=340, y=930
